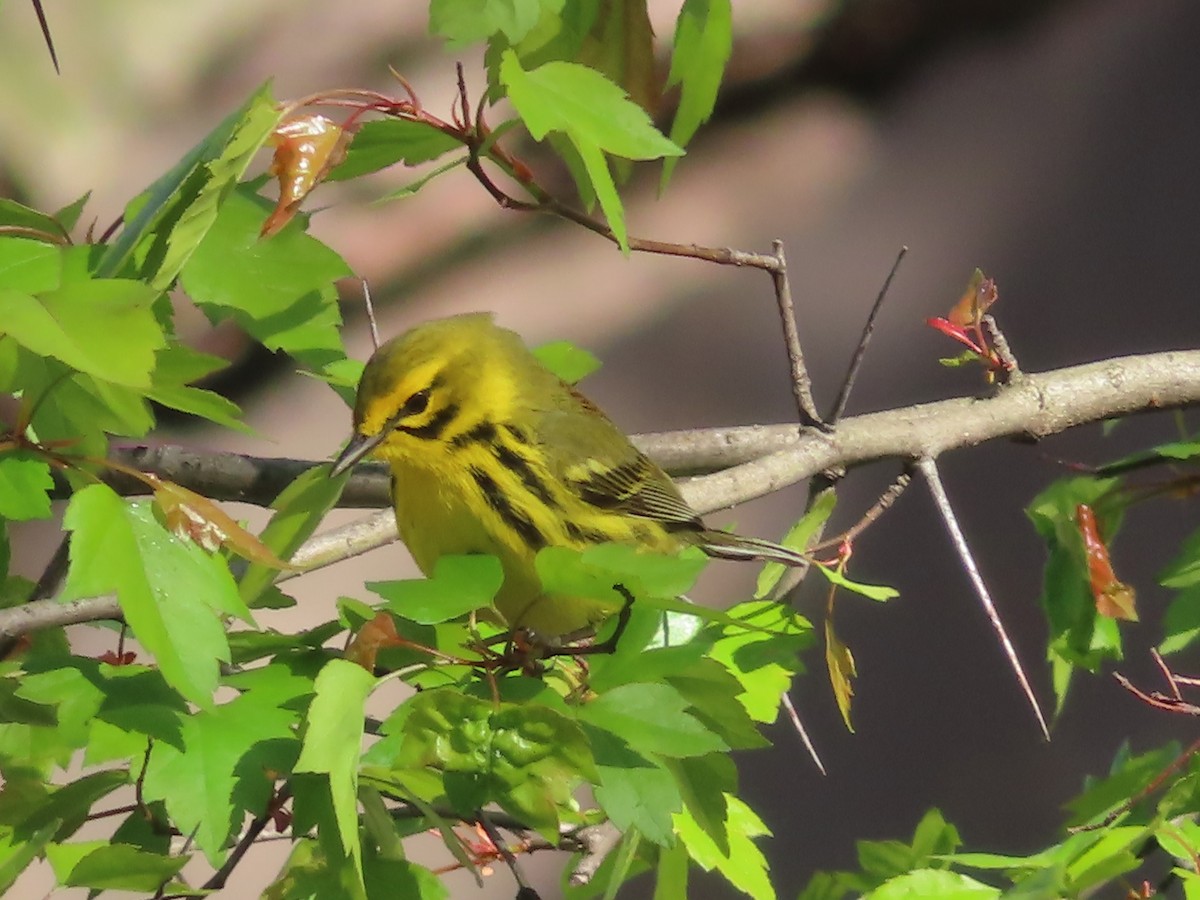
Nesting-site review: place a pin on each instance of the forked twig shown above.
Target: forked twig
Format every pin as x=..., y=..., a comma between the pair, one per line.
x=801, y=382
x=928, y=468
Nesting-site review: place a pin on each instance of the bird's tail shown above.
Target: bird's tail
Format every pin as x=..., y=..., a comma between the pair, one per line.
x=723, y=545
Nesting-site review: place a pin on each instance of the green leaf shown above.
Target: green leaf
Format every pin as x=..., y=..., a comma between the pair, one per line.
x=634, y=791
x=25, y=483
x=797, y=538
x=197, y=783
x=385, y=142
x=652, y=719
x=104, y=328
x=1184, y=569
x=170, y=590
x=333, y=742
x=877, y=592
x=459, y=585
x=68, y=216
x=1181, y=624
x=299, y=509
x=595, y=115
x=281, y=290
x=1078, y=636
x=104, y=866
x=177, y=367
x=743, y=865
x=16, y=855
x=29, y=266
x=703, y=42
x=463, y=22
x=175, y=213
x=704, y=782
x=671, y=875
x=763, y=661
x=17, y=219
x=525, y=757
x=27, y=805
x=934, y=884
x=570, y=363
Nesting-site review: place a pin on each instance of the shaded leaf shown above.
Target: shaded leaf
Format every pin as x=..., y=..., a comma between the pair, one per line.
x=458, y=585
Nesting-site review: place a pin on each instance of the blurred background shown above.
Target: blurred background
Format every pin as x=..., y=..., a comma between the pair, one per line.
x=1053, y=144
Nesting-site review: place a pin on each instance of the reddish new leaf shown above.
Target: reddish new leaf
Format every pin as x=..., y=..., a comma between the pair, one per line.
x=195, y=518
x=1114, y=599
x=380, y=632
x=306, y=148
x=974, y=303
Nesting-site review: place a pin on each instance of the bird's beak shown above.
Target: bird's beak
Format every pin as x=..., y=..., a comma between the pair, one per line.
x=360, y=445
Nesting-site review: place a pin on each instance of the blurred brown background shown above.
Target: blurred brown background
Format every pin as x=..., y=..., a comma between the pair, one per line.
x=1053, y=144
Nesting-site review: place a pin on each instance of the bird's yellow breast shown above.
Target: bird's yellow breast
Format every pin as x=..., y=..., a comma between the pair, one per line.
x=442, y=510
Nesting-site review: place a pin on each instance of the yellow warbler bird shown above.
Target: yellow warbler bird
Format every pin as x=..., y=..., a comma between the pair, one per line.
x=491, y=452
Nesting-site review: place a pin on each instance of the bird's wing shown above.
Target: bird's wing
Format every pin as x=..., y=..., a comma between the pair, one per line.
x=595, y=461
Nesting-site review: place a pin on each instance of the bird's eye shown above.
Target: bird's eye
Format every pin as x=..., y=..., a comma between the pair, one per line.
x=416, y=404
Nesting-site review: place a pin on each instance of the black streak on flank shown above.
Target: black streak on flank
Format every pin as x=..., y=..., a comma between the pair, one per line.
x=433, y=429
x=519, y=466
x=483, y=433
x=581, y=535
x=512, y=517
x=516, y=434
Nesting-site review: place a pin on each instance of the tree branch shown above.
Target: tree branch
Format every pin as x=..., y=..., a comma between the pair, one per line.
x=760, y=458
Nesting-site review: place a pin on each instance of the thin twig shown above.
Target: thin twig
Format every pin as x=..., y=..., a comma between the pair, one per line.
x=801, y=383
x=878, y=508
x=839, y=405
x=370, y=314
x=253, y=830
x=929, y=470
x=525, y=891
x=1009, y=371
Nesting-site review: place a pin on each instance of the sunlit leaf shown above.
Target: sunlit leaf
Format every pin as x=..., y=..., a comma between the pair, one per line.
x=307, y=147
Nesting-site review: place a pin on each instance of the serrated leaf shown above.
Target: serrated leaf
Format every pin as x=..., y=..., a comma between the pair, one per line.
x=743, y=865
x=281, y=290
x=176, y=368
x=29, y=266
x=458, y=585
x=25, y=483
x=385, y=142
x=154, y=216
x=333, y=742
x=104, y=866
x=103, y=328
x=842, y=671
x=797, y=538
x=635, y=792
x=934, y=884
x=170, y=591
x=703, y=43
x=595, y=115
x=197, y=782
x=463, y=22
x=651, y=718
x=299, y=509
